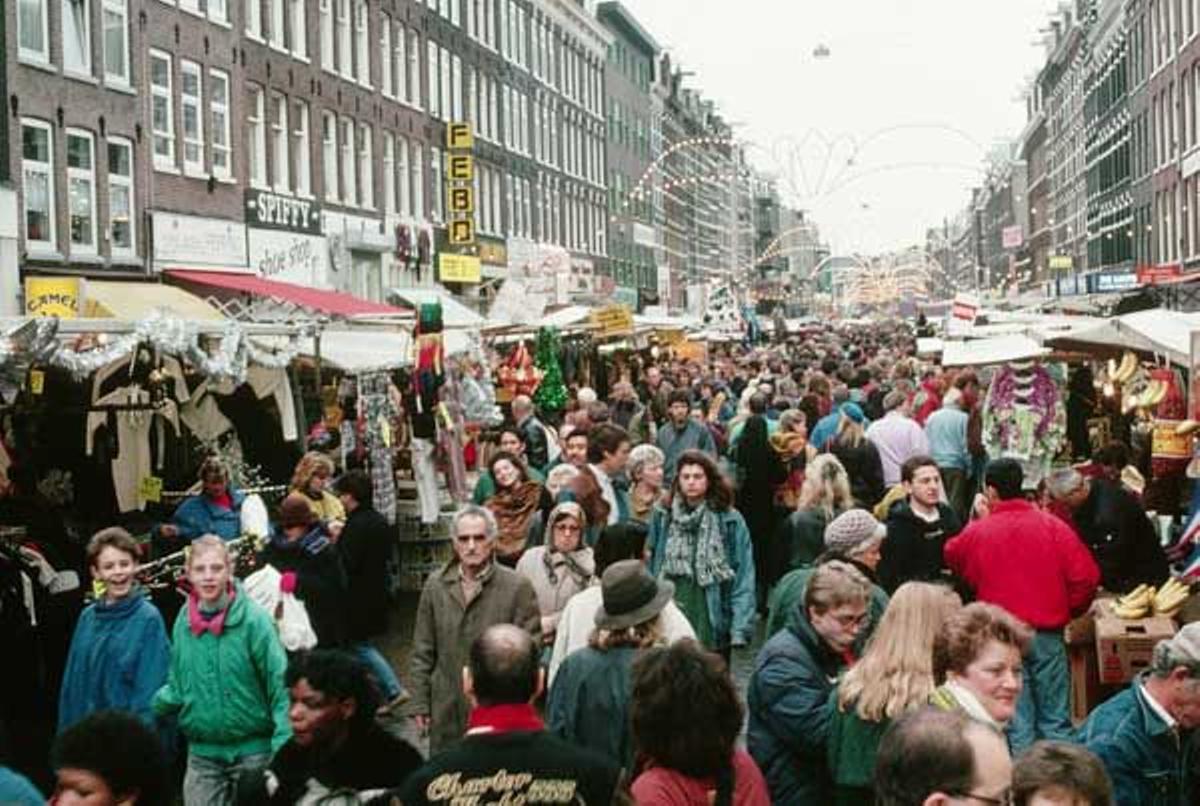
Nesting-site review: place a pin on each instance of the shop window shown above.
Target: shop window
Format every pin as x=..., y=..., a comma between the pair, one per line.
x=77, y=36
x=190, y=93
x=37, y=168
x=120, y=196
x=162, y=112
x=116, y=42
x=301, y=155
x=81, y=191
x=33, y=42
x=329, y=172
x=366, y=167
x=349, y=168
x=256, y=126
x=218, y=117
x=280, y=178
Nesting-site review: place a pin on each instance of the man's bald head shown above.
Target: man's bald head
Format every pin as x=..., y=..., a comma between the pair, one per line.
x=504, y=666
x=521, y=406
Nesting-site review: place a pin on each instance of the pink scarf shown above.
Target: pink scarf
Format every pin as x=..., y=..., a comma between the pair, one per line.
x=215, y=624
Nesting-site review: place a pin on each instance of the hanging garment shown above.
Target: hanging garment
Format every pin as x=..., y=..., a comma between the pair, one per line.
x=267, y=382
x=383, y=483
x=203, y=416
x=133, y=461
x=425, y=475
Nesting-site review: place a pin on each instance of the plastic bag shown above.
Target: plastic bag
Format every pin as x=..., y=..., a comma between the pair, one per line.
x=291, y=617
x=255, y=520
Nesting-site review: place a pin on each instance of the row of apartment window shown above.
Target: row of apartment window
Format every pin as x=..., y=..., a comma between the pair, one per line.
x=1172, y=24
x=628, y=129
x=40, y=178
x=1177, y=217
x=204, y=119
x=631, y=64
x=1176, y=116
x=75, y=18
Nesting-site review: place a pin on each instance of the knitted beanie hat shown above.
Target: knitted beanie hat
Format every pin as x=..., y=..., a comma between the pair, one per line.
x=853, y=531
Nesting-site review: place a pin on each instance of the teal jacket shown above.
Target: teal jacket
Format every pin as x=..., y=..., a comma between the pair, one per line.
x=229, y=692
x=787, y=598
x=731, y=606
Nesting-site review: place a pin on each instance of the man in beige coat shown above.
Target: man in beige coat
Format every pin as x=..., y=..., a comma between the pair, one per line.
x=470, y=594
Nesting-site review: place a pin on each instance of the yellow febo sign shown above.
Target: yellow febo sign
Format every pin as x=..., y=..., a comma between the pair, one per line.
x=53, y=296
x=462, y=232
x=612, y=320
x=462, y=200
x=458, y=135
x=459, y=268
x=462, y=167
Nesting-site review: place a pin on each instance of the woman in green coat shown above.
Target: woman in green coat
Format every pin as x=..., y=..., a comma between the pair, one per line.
x=225, y=681
x=894, y=676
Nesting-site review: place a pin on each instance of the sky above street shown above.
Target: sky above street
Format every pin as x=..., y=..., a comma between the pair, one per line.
x=886, y=135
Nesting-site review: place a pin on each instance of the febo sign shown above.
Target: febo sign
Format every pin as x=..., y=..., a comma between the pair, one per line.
x=964, y=307
x=272, y=211
x=1149, y=275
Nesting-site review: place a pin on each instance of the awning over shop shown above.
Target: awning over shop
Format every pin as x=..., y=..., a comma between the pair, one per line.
x=334, y=303
x=359, y=351
x=454, y=313
x=106, y=299
x=995, y=350
x=1159, y=331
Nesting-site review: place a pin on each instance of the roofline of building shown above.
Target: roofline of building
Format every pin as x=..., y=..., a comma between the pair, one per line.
x=624, y=17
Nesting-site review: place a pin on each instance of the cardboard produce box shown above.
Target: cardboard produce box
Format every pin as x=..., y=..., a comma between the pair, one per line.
x=1124, y=647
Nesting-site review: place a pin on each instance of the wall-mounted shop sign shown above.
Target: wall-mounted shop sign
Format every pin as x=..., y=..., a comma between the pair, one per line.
x=195, y=241
x=1149, y=275
x=1112, y=282
x=1061, y=262
x=53, y=296
x=458, y=268
x=273, y=211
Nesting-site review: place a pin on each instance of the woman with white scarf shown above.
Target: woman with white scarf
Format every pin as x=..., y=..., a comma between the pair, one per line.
x=561, y=568
x=701, y=544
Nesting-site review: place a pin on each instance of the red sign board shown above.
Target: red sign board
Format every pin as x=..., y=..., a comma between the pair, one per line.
x=1149, y=275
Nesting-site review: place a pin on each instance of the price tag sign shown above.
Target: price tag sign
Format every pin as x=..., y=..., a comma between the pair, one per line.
x=37, y=381
x=151, y=489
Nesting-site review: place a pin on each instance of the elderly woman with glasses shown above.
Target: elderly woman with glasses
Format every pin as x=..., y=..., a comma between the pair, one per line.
x=562, y=567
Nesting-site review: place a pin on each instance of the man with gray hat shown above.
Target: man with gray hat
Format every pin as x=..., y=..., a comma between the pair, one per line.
x=1138, y=734
x=897, y=436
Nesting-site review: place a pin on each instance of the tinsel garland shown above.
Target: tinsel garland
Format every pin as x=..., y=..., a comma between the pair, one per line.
x=228, y=360
x=551, y=394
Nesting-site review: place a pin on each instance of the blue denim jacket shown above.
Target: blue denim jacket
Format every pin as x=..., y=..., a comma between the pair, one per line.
x=1143, y=756
x=731, y=606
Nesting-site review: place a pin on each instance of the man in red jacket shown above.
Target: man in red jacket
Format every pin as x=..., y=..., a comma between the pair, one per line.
x=1034, y=566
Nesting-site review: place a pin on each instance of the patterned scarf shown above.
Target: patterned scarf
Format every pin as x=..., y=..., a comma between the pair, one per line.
x=513, y=509
x=700, y=527
x=211, y=618
x=578, y=564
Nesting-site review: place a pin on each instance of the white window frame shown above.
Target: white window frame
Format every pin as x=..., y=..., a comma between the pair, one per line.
x=276, y=36
x=124, y=183
x=329, y=155
x=220, y=125
x=416, y=163
x=387, y=66
x=438, y=210
x=41, y=169
x=279, y=144
x=456, y=86
x=164, y=160
x=88, y=175
x=298, y=28
x=195, y=103
x=83, y=67
x=403, y=177
x=328, y=57
x=114, y=17
x=412, y=86
x=36, y=55
x=218, y=12
x=389, y=173
x=362, y=43
x=366, y=166
x=434, y=99
x=256, y=131
x=346, y=140
x=254, y=20
x=345, y=39
x=301, y=150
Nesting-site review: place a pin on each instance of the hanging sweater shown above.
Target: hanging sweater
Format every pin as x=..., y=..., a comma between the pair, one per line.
x=118, y=659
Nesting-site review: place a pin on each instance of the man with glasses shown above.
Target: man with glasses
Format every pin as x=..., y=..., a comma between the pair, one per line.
x=1034, y=566
x=943, y=758
x=1141, y=734
x=457, y=605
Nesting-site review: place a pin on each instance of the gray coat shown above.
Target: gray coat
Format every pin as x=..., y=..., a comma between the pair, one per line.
x=446, y=627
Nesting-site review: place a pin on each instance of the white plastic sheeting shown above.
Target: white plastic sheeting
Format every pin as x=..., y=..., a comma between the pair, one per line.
x=454, y=313
x=995, y=350
x=1158, y=331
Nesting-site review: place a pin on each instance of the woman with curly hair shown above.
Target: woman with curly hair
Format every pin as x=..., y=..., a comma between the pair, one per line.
x=311, y=479
x=701, y=544
x=893, y=677
x=674, y=690
x=824, y=495
x=518, y=504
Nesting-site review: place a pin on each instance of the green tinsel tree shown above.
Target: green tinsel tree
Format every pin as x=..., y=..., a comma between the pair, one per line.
x=551, y=394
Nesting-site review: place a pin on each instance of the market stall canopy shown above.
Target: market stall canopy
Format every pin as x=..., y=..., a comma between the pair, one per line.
x=567, y=317
x=106, y=299
x=362, y=350
x=333, y=303
x=929, y=345
x=454, y=313
x=995, y=350
x=1159, y=331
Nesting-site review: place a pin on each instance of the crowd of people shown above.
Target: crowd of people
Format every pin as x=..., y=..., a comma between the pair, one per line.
x=825, y=515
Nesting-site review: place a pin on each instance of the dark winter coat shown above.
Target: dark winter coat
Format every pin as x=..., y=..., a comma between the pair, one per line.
x=1115, y=528
x=320, y=582
x=365, y=545
x=864, y=468
x=537, y=451
x=913, y=548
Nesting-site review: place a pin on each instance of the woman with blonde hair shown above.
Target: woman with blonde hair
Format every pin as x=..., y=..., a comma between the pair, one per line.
x=893, y=677
x=824, y=495
x=311, y=479
x=858, y=455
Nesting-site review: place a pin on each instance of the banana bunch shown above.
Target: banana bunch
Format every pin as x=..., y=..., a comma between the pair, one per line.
x=1135, y=604
x=1170, y=598
x=1126, y=370
x=1147, y=397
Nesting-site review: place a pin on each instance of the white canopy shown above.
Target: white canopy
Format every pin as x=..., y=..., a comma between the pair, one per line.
x=358, y=351
x=1159, y=331
x=454, y=313
x=929, y=345
x=995, y=350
